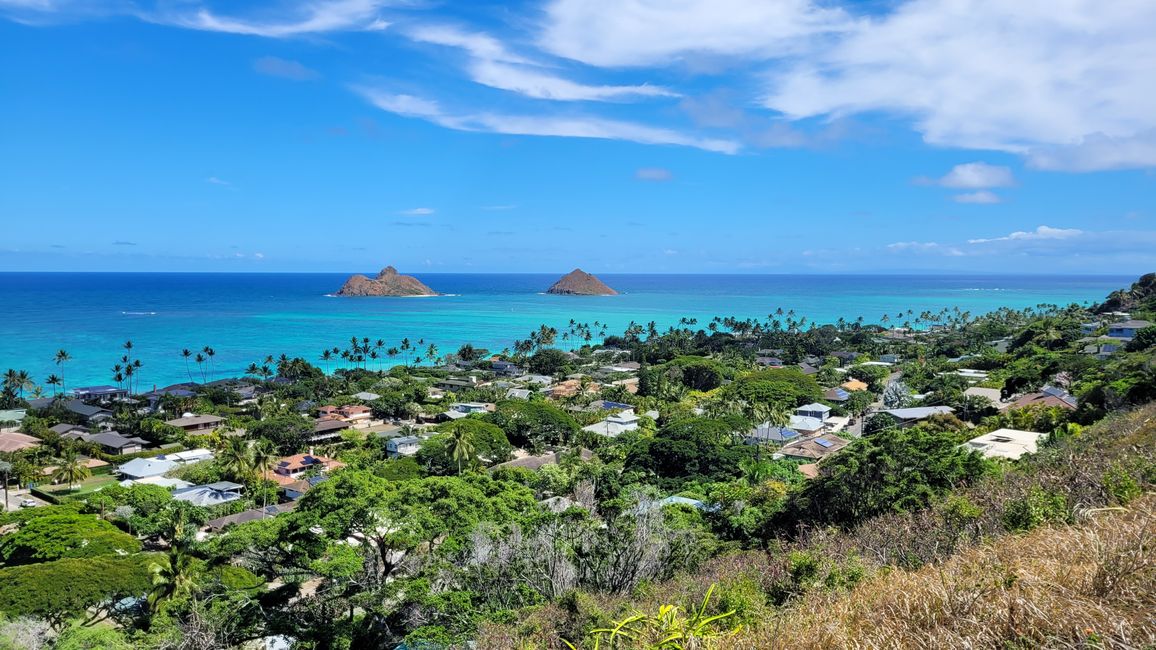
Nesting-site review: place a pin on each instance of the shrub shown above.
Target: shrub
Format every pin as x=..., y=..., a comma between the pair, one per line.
x=1035, y=509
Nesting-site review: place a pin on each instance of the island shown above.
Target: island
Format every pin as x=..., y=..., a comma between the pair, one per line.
x=387, y=283
x=580, y=283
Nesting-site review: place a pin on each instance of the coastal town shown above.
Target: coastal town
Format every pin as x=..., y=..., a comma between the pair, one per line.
x=746, y=428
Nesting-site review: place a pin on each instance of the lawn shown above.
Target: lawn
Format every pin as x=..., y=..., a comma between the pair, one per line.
x=87, y=486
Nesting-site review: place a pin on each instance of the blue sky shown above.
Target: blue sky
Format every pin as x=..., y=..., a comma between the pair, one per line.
x=711, y=136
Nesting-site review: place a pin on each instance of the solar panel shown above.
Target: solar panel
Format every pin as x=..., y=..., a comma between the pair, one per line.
x=823, y=442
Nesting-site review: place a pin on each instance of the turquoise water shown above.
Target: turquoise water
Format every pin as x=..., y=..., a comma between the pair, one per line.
x=245, y=317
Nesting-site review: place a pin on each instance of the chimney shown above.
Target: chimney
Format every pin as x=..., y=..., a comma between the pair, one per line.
x=310, y=450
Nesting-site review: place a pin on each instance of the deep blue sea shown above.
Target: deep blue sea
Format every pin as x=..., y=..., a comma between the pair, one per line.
x=245, y=317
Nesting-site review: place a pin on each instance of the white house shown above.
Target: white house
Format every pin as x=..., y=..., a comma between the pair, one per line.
x=404, y=446
x=1007, y=443
x=615, y=425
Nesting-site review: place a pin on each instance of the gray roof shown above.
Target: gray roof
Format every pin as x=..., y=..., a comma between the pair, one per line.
x=113, y=440
x=145, y=467
x=919, y=412
x=205, y=495
x=814, y=406
x=194, y=420
x=85, y=410
x=1131, y=324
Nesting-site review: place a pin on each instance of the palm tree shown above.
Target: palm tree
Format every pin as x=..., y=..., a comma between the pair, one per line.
x=186, y=353
x=54, y=381
x=71, y=469
x=210, y=353
x=172, y=577
x=461, y=446
x=236, y=458
x=264, y=457
x=62, y=357
x=5, y=469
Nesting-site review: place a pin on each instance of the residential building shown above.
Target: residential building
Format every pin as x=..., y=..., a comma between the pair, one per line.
x=518, y=393
x=11, y=441
x=1007, y=443
x=188, y=457
x=814, y=449
x=113, y=442
x=454, y=384
x=102, y=394
x=1049, y=396
x=814, y=410
x=292, y=468
x=765, y=433
x=1126, y=330
x=992, y=395
x=909, y=416
x=403, y=446
x=615, y=425
x=64, y=428
x=221, y=523
x=324, y=430
x=806, y=425
x=207, y=496
x=836, y=395
x=91, y=414
x=541, y=460
x=854, y=385
x=504, y=368
x=366, y=396
x=197, y=423
x=139, y=468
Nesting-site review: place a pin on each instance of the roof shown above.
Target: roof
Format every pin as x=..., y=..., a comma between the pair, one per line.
x=1006, y=443
x=142, y=467
x=195, y=420
x=190, y=456
x=993, y=395
x=250, y=515
x=225, y=485
x=518, y=393
x=163, y=481
x=300, y=462
x=367, y=396
x=13, y=441
x=205, y=495
x=1131, y=324
x=809, y=470
x=814, y=406
x=323, y=426
x=805, y=423
x=1049, y=396
x=814, y=448
x=836, y=395
x=854, y=384
x=765, y=432
x=918, y=412
x=113, y=440
x=64, y=428
x=405, y=440
x=86, y=410
x=541, y=460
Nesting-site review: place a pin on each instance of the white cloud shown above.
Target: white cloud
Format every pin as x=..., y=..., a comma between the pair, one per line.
x=294, y=20
x=1041, y=232
x=657, y=174
x=982, y=197
x=913, y=245
x=284, y=68
x=417, y=212
x=499, y=208
x=977, y=175
x=573, y=126
x=213, y=180
x=492, y=64
x=630, y=33
x=1069, y=84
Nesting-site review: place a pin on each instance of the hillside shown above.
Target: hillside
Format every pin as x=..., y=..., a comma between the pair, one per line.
x=1140, y=297
x=580, y=283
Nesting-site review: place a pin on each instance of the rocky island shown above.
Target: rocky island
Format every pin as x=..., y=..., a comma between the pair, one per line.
x=581, y=283
x=387, y=283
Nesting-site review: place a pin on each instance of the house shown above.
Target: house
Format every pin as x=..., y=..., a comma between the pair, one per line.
x=620, y=367
x=139, y=468
x=1126, y=330
x=890, y=358
x=404, y=446
x=972, y=375
x=366, y=396
x=196, y=423
x=769, y=362
x=12, y=441
x=291, y=468
x=1101, y=347
x=102, y=394
x=162, y=481
x=518, y=393
x=615, y=425
x=327, y=430
x=808, y=369
x=992, y=395
x=221, y=523
x=805, y=425
x=188, y=457
x=814, y=410
x=836, y=395
x=354, y=413
x=854, y=385
x=814, y=449
x=536, y=463
x=845, y=357
x=12, y=416
x=207, y=496
x=454, y=384
x=765, y=433
x=540, y=380
x=113, y=442
x=298, y=488
x=504, y=368
x=909, y=416
x=91, y=414
x=64, y=428
x=1049, y=396
x=1007, y=443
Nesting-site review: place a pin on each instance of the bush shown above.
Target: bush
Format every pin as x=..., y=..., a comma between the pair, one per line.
x=64, y=536
x=67, y=588
x=1035, y=509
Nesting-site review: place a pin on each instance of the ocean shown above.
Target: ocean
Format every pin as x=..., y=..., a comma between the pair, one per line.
x=245, y=317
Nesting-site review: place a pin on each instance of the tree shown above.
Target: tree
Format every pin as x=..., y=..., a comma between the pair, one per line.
x=461, y=446
x=173, y=576
x=57, y=536
x=264, y=458
x=530, y=424
x=786, y=386
x=6, y=470
x=488, y=443
x=1143, y=340
x=549, y=361
x=65, y=589
x=71, y=469
x=690, y=449
x=62, y=357
x=236, y=458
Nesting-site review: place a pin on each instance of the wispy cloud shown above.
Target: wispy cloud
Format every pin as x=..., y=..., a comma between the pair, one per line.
x=213, y=180
x=123, y=243
x=293, y=20
x=574, y=126
x=982, y=197
x=654, y=174
x=1041, y=232
x=977, y=175
x=499, y=208
x=284, y=68
x=417, y=212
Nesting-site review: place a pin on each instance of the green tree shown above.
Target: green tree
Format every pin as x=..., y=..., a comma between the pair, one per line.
x=57, y=536
x=264, y=458
x=71, y=470
x=65, y=589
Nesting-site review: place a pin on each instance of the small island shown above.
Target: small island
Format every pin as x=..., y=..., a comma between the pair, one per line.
x=580, y=283
x=387, y=283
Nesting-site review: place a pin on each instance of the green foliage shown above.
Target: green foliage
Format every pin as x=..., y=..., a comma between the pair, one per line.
x=66, y=588
x=79, y=637
x=1036, y=508
x=399, y=469
x=1143, y=340
x=874, y=376
x=787, y=387
x=690, y=449
x=289, y=432
x=549, y=361
x=64, y=536
x=892, y=470
x=693, y=373
x=669, y=629
x=533, y=424
x=490, y=445
x=1121, y=485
